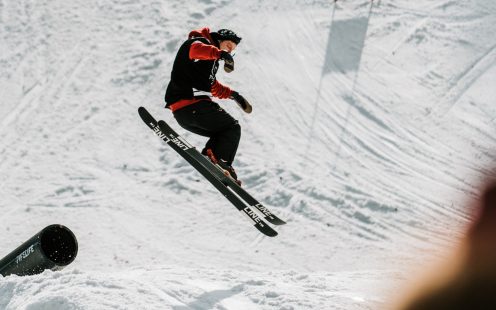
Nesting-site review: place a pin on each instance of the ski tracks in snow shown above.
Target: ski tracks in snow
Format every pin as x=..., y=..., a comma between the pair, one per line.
x=464, y=81
x=372, y=141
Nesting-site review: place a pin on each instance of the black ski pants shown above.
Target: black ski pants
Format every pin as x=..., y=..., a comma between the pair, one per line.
x=207, y=118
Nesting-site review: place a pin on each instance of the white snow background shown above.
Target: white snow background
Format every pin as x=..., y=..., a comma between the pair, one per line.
x=373, y=124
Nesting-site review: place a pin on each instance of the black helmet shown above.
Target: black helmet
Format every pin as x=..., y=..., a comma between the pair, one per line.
x=226, y=34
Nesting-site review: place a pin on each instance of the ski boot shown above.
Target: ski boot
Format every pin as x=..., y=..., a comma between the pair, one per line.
x=226, y=169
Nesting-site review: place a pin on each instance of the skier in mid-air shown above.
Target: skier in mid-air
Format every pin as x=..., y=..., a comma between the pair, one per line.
x=188, y=96
x=192, y=84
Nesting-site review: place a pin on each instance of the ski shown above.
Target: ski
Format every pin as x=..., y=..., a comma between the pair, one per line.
x=234, y=186
x=229, y=182
x=190, y=154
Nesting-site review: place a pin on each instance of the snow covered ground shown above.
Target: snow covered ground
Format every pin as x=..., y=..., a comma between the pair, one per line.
x=373, y=125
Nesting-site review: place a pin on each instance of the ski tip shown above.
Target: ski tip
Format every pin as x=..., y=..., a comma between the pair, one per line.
x=273, y=235
x=266, y=230
x=277, y=221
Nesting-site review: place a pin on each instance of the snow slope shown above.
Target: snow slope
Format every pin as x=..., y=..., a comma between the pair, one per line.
x=373, y=124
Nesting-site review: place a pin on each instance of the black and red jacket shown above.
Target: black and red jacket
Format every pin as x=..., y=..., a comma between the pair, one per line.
x=194, y=70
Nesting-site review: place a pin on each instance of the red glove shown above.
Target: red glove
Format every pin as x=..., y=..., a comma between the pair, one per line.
x=220, y=91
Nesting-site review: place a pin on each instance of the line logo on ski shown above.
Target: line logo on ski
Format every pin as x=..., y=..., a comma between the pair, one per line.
x=181, y=143
x=176, y=140
x=263, y=209
x=159, y=133
x=253, y=216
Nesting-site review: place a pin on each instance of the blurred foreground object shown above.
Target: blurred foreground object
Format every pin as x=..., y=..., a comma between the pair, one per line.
x=473, y=284
x=52, y=248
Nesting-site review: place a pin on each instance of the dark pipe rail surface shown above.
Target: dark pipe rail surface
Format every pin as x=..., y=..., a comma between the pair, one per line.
x=52, y=248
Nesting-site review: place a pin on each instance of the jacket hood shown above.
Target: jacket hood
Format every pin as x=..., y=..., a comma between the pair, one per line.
x=202, y=32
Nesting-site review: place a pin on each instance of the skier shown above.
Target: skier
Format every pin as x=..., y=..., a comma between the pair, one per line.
x=192, y=84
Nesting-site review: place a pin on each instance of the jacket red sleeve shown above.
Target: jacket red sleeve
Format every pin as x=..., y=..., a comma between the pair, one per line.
x=202, y=51
x=220, y=91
